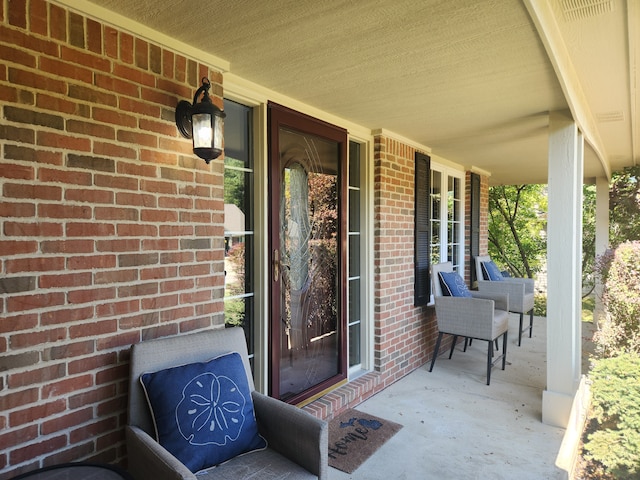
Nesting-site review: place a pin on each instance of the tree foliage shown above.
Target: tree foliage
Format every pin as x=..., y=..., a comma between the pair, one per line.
x=588, y=238
x=624, y=206
x=517, y=223
x=517, y=226
x=619, y=331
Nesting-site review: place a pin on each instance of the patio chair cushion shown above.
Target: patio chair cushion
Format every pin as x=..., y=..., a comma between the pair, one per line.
x=453, y=285
x=203, y=412
x=492, y=272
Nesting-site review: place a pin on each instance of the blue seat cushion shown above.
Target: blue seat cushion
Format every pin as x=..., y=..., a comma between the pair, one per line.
x=453, y=285
x=203, y=412
x=492, y=272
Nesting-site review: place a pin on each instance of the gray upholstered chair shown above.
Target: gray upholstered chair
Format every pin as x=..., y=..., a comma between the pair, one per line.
x=520, y=291
x=478, y=316
x=297, y=441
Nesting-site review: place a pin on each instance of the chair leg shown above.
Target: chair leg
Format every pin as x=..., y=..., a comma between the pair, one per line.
x=530, y=323
x=467, y=341
x=453, y=345
x=520, y=330
x=504, y=349
x=489, y=360
x=435, y=351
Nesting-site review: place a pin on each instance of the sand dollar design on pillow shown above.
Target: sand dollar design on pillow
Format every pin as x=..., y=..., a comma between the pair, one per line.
x=211, y=410
x=203, y=412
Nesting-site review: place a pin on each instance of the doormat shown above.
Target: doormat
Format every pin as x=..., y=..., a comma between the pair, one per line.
x=354, y=436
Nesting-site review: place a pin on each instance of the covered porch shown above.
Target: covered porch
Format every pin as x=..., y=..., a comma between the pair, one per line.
x=455, y=426
x=113, y=232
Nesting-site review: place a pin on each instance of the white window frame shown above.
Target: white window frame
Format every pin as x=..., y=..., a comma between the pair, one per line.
x=447, y=171
x=366, y=259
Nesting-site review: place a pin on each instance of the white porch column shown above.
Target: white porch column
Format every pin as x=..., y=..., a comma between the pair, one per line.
x=564, y=263
x=602, y=237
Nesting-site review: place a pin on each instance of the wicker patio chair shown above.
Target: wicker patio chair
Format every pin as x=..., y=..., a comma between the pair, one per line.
x=520, y=291
x=297, y=442
x=476, y=316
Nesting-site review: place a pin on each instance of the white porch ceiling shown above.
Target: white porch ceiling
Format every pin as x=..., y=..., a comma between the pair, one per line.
x=472, y=80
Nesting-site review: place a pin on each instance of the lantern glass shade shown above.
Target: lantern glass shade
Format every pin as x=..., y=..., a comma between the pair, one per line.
x=218, y=128
x=202, y=130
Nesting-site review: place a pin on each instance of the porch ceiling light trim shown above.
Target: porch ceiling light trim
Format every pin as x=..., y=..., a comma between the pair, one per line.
x=203, y=122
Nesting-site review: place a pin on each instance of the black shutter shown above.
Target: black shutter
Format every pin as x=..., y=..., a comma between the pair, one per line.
x=474, y=241
x=422, y=284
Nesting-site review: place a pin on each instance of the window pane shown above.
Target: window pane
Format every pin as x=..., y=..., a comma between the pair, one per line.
x=354, y=255
x=435, y=253
x=237, y=135
x=354, y=210
x=454, y=255
x=435, y=233
x=354, y=300
x=436, y=182
x=234, y=312
x=238, y=187
x=354, y=164
x=237, y=280
x=354, y=344
x=435, y=195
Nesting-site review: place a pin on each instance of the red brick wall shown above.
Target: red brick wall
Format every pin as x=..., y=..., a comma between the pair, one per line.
x=404, y=334
x=111, y=229
x=484, y=215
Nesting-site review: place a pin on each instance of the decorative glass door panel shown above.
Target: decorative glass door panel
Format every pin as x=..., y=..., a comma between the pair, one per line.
x=307, y=324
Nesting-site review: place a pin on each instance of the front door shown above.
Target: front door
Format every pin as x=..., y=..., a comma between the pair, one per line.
x=307, y=237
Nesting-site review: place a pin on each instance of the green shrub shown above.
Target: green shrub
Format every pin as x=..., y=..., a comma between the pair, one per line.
x=540, y=305
x=615, y=390
x=614, y=421
x=619, y=331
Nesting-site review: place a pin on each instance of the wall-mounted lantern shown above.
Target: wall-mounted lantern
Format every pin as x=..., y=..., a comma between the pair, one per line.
x=203, y=122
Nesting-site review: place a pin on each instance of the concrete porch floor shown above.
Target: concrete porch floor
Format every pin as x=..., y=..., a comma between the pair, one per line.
x=457, y=427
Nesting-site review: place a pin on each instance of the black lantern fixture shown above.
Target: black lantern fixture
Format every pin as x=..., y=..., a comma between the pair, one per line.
x=203, y=122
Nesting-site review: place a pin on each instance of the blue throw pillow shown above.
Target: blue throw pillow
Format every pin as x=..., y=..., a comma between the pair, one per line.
x=453, y=285
x=203, y=412
x=492, y=272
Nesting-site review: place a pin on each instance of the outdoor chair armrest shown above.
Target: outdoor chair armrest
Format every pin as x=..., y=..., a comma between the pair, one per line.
x=500, y=298
x=294, y=433
x=529, y=283
x=149, y=459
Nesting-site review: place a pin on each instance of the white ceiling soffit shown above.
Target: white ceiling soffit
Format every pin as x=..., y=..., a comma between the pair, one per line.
x=469, y=79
